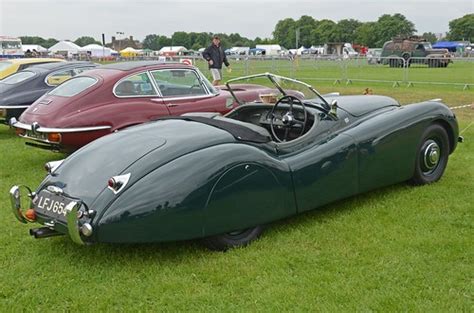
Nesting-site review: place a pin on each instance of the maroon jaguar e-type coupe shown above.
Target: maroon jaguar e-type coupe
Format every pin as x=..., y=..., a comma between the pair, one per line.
x=115, y=96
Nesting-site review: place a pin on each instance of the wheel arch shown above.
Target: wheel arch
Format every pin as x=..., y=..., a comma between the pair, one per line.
x=449, y=129
x=246, y=195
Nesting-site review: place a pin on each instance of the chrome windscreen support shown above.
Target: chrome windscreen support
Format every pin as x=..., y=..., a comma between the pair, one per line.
x=334, y=107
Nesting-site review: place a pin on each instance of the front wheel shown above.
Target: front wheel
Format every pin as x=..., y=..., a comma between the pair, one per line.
x=432, y=156
x=233, y=239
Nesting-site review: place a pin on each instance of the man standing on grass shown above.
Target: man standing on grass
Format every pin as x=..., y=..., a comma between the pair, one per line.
x=215, y=56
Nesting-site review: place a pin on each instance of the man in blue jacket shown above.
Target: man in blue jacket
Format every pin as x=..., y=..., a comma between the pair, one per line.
x=215, y=56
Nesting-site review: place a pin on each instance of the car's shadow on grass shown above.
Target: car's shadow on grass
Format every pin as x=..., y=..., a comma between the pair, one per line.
x=186, y=251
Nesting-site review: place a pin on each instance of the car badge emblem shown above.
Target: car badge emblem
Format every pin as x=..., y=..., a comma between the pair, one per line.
x=34, y=127
x=55, y=189
x=45, y=101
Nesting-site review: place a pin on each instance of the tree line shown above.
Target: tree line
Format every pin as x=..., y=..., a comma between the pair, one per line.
x=305, y=31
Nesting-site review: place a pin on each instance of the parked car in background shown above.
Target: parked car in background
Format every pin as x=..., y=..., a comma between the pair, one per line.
x=400, y=51
x=222, y=178
x=115, y=96
x=10, y=66
x=373, y=56
x=21, y=89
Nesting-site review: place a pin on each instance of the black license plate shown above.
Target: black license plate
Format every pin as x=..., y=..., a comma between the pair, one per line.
x=51, y=205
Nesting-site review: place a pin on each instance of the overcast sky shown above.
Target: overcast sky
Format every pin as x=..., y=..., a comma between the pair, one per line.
x=68, y=19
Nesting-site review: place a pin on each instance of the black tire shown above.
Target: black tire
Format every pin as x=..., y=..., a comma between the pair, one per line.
x=235, y=239
x=432, y=155
x=391, y=62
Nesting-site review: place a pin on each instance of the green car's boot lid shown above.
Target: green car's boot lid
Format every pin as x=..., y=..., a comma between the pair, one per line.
x=85, y=173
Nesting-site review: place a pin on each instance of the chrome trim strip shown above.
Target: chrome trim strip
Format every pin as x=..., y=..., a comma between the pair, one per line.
x=59, y=130
x=155, y=85
x=14, y=107
x=189, y=97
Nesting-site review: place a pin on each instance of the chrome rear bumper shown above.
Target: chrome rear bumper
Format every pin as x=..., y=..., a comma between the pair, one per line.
x=76, y=229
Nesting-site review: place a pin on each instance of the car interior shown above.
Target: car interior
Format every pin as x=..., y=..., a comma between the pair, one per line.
x=268, y=120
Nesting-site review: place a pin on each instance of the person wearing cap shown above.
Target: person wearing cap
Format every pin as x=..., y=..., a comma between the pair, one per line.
x=215, y=56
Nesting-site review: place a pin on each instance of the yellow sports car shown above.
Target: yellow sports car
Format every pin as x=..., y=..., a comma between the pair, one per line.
x=11, y=66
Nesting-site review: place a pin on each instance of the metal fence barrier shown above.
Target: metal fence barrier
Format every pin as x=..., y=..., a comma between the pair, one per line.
x=396, y=71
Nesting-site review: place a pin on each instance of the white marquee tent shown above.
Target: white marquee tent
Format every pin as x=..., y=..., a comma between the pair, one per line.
x=33, y=47
x=172, y=50
x=65, y=47
x=97, y=51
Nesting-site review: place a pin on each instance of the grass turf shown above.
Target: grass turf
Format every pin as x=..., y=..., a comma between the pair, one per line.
x=399, y=248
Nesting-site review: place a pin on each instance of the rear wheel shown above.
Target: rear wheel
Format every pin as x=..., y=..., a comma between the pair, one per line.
x=432, y=156
x=234, y=239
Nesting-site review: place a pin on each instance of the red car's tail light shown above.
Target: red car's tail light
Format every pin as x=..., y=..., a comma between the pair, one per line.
x=54, y=137
x=20, y=131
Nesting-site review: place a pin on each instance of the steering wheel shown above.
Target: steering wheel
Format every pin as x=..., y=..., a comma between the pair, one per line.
x=288, y=120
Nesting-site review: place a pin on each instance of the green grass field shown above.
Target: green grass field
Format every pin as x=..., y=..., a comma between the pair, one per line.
x=400, y=248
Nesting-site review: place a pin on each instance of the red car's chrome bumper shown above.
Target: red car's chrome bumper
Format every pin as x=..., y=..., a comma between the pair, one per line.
x=17, y=124
x=54, y=138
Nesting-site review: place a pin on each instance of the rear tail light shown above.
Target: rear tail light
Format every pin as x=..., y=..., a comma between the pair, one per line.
x=30, y=215
x=117, y=183
x=113, y=184
x=54, y=137
x=50, y=167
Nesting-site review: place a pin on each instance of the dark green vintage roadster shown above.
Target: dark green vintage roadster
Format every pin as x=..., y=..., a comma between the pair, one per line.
x=222, y=178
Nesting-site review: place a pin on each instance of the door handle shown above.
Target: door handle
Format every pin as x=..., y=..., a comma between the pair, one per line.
x=169, y=105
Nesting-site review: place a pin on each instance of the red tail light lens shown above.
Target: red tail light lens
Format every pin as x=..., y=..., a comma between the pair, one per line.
x=117, y=183
x=112, y=183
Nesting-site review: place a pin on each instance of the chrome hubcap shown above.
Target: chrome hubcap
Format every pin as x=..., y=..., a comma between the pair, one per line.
x=431, y=155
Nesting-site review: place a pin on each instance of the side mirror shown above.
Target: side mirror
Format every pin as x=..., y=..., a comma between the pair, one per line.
x=334, y=107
